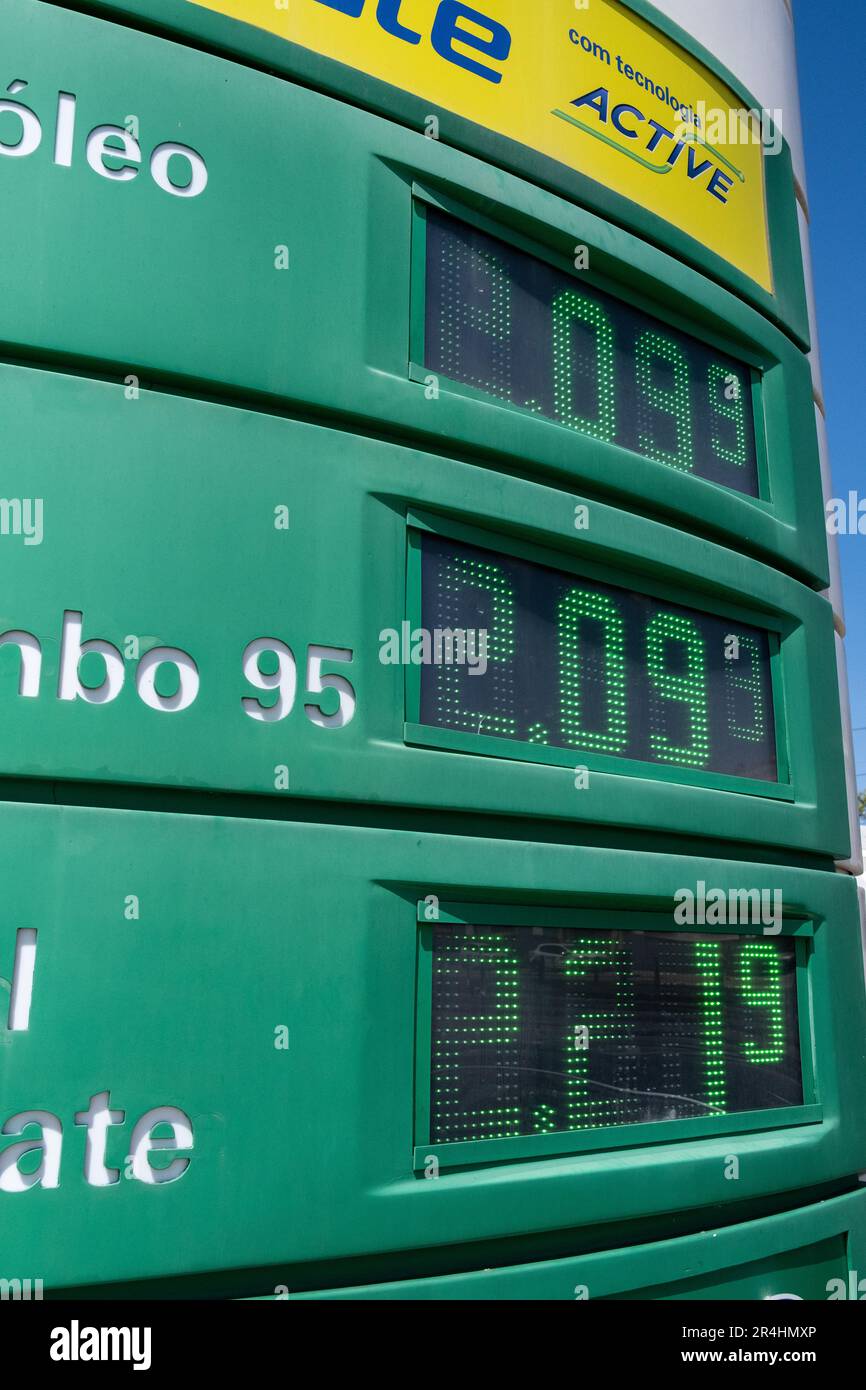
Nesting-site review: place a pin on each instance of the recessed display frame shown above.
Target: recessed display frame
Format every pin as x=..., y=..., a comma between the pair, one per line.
x=634, y=314
x=457, y=740
x=488, y=916
x=644, y=280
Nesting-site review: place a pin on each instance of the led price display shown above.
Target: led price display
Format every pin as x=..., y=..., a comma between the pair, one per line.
x=536, y=1030
x=515, y=328
x=548, y=658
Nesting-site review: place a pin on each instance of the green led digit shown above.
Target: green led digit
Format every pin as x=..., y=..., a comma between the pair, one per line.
x=731, y=408
x=459, y=573
x=689, y=689
x=576, y=607
x=745, y=676
x=604, y=1029
x=652, y=348
x=498, y=1028
x=476, y=296
x=766, y=996
x=709, y=966
x=570, y=308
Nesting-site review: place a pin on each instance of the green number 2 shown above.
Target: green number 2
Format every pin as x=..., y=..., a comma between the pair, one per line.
x=605, y=1026
x=498, y=1029
x=462, y=572
x=486, y=308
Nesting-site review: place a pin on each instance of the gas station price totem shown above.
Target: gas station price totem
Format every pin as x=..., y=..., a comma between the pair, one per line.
x=421, y=755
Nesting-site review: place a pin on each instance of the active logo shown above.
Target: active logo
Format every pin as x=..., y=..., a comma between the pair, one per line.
x=658, y=149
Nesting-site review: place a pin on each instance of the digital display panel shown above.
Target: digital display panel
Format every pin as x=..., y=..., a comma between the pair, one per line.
x=536, y=1030
x=517, y=329
x=548, y=658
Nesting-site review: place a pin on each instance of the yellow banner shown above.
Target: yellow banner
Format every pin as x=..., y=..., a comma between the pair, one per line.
x=591, y=85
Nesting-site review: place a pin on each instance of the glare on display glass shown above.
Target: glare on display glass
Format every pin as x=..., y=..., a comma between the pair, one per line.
x=536, y=1030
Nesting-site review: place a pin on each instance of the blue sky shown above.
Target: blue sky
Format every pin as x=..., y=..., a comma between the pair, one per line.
x=831, y=44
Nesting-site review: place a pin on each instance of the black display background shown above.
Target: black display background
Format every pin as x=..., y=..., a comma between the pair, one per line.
x=526, y=688
x=460, y=290
x=650, y=997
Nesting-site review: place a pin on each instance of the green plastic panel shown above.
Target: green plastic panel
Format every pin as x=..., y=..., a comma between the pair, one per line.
x=259, y=978
x=166, y=522
x=755, y=1261
x=221, y=35
x=291, y=279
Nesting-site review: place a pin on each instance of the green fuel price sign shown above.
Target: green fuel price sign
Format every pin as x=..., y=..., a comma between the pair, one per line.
x=537, y=1030
x=513, y=327
x=562, y=660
